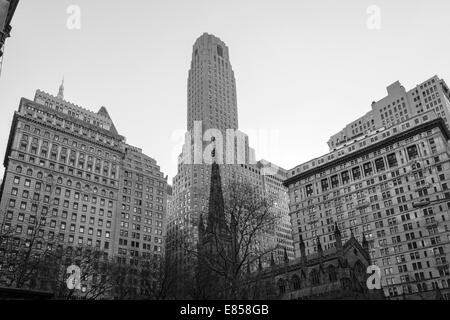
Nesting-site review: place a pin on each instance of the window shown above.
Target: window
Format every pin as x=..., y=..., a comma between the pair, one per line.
x=220, y=51
x=309, y=190
x=367, y=169
x=345, y=177
x=412, y=152
x=392, y=160
x=379, y=164
x=12, y=203
x=324, y=184
x=314, y=276
x=356, y=172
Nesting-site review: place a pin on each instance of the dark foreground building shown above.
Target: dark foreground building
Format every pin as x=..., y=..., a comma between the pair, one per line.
x=24, y=294
x=335, y=274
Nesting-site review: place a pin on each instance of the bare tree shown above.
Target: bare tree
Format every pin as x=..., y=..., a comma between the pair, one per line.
x=157, y=278
x=238, y=244
x=23, y=257
x=98, y=273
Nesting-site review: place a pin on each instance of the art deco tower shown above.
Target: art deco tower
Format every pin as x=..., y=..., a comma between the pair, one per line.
x=212, y=100
x=211, y=86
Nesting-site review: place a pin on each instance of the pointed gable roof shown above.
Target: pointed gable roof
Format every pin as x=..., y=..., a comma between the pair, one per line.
x=104, y=113
x=353, y=243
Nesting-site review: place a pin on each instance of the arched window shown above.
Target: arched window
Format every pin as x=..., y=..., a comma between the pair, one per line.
x=60, y=180
x=296, y=282
x=19, y=169
x=29, y=172
x=111, y=194
x=95, y=190
x=314, y=277
x=78, y=185
x=303, y=275
x=40, y=175
x=69, y=183
x=282, y=286
x=103, y=192
x=332, y=273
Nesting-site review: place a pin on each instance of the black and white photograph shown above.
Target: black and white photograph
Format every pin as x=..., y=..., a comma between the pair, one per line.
x=224, y=158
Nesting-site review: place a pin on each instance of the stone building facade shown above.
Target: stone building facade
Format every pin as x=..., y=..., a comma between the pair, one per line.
x=71, y=181
x=335, y=274
x=391, y=186
x=143, y=200
x=398, y=106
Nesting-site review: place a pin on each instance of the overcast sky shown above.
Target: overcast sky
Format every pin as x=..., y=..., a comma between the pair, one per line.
x=304, y=69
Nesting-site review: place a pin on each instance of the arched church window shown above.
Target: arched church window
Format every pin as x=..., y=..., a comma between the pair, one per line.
x=332, y=273
x=296, y=282
x=314, y=277
x=281, y=286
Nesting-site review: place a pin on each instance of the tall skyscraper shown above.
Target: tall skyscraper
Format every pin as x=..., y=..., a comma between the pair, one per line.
x=211, y=86
x=212, y=118
x=143, y=202
x=273, y=184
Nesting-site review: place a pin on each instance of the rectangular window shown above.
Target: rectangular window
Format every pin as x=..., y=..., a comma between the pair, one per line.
x=392, y=160
x=412, y=152
x=356, y=173
x=367, y=169
x=379, y=164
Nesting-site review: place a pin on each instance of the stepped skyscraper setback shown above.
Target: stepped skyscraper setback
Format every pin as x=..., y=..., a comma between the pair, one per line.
x=211, y=86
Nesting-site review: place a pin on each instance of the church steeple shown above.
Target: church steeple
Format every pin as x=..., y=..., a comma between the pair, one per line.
x=319, y=247
x=216, y=214
x=61, y=90
x=302, y=250
x=201, y=228
x=272, y=260
x=286, y=258
x=365, y=244
x=338, y=238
